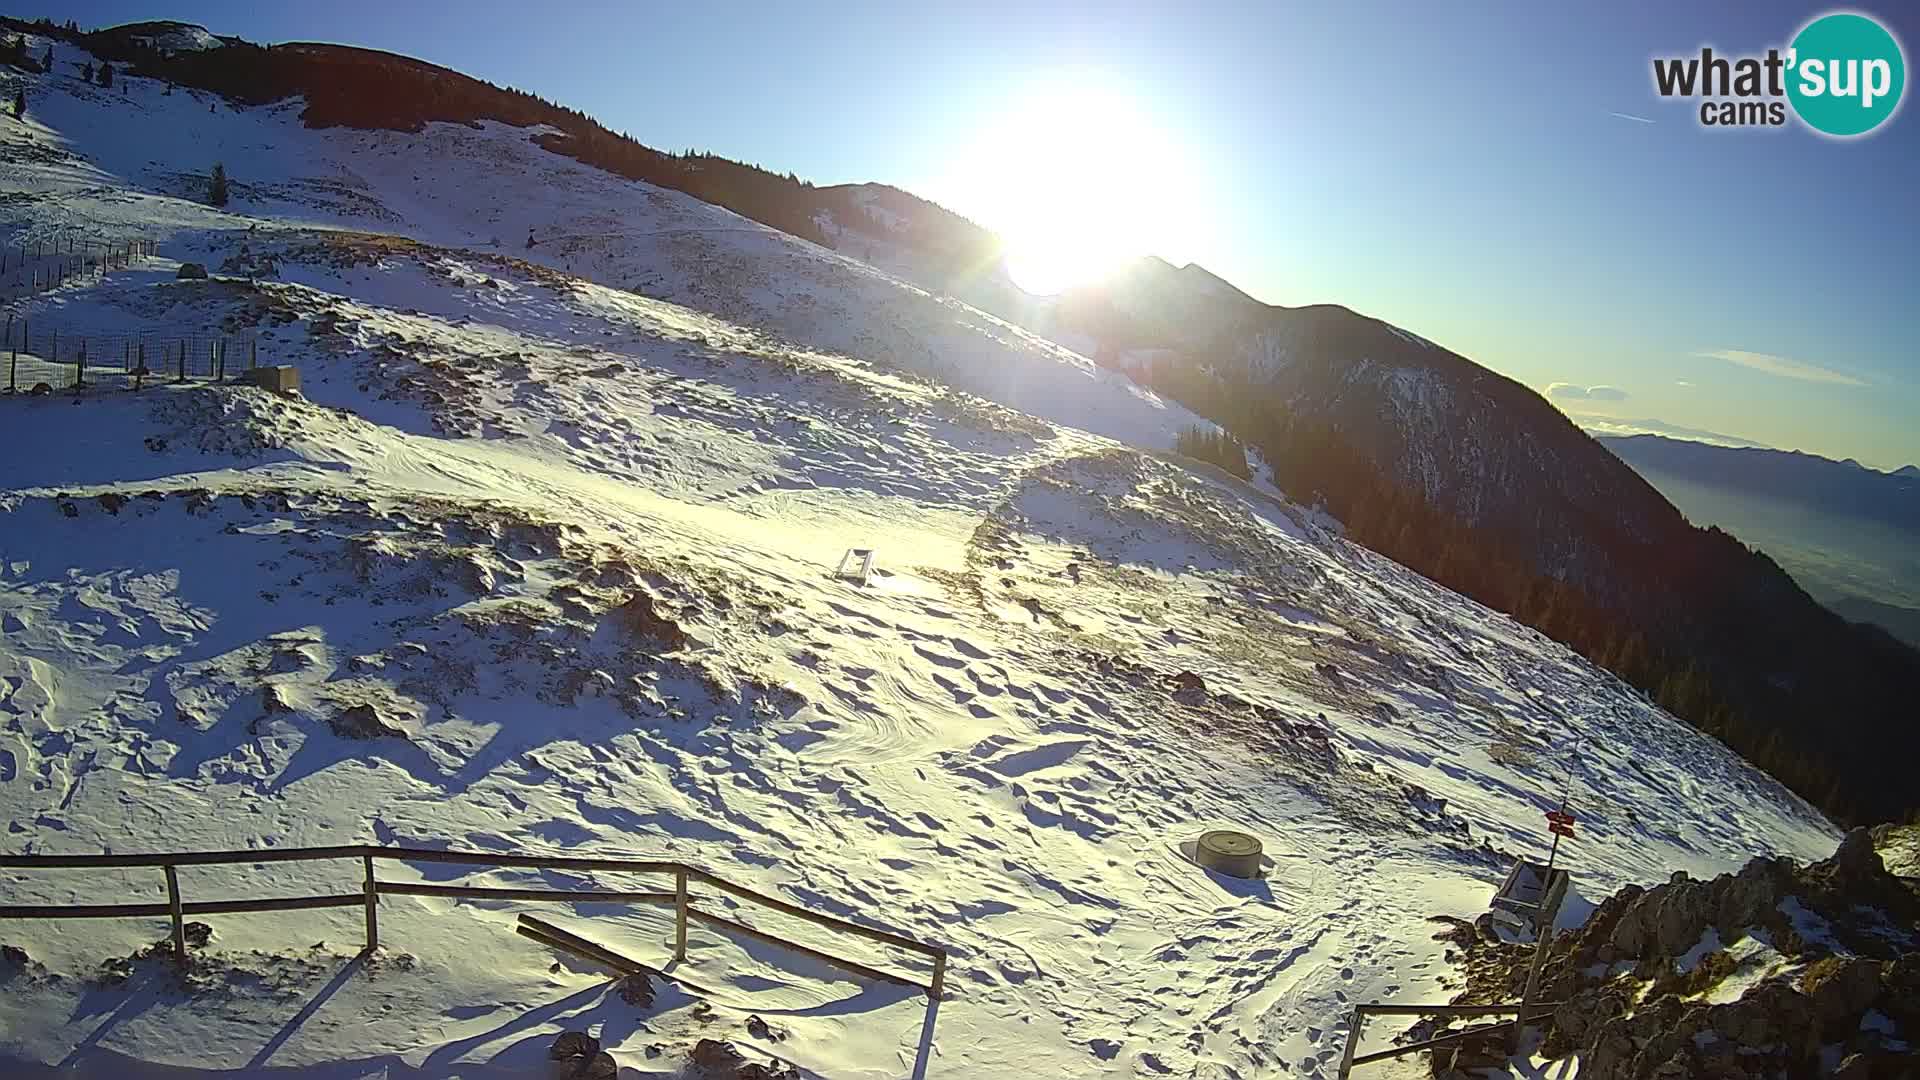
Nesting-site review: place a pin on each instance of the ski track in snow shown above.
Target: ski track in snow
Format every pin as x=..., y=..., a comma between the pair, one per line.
x=1073, y=657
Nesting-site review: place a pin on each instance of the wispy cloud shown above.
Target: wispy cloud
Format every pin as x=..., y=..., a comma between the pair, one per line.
x=1576, y=392
x=1630, y=116
x=1784, y=367
x=1609, y=425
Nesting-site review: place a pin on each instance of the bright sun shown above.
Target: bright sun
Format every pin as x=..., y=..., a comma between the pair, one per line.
x=1076, y=179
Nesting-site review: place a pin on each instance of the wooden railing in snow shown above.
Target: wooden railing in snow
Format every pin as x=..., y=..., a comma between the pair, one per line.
x=177, y=908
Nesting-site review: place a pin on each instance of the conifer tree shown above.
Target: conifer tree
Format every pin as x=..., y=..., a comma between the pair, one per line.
x=217, y=189
x=106, y=75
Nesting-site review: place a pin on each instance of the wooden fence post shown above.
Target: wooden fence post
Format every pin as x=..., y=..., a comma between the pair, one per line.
x=680, y=913
x=179, y=923
x=183, y=362
x=373, y=900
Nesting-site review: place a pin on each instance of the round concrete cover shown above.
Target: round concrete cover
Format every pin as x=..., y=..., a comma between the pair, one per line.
x=1230, y=852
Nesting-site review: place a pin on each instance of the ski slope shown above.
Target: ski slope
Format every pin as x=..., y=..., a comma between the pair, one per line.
x=565, y=518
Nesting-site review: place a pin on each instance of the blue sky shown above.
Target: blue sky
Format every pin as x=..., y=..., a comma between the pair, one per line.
x=1459, y=172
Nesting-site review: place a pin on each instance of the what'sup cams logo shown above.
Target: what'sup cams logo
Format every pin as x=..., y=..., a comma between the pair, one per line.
x=1843, y=76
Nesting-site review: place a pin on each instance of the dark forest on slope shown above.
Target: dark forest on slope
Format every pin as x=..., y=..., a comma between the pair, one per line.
x=1715, y=632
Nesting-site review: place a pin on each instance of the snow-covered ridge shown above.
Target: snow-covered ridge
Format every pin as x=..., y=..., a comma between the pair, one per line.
x=157, y=150
x=564, y=519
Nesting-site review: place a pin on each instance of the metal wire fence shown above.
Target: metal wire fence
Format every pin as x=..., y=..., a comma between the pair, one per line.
x=32, y=266
x=37, y=359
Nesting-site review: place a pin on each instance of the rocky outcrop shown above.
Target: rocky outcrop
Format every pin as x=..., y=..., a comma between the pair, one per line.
x=363, y=722
x=637, y=990
x=1831, y=978
x=713, y=1059
x=577, y=1056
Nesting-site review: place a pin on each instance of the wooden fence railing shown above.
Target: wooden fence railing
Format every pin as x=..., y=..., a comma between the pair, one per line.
x=1538, y=1010
x=177, y=908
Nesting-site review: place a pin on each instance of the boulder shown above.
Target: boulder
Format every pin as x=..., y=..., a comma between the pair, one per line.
x=1745, y=899
x=192, y=271
x=600, y=1066
x=1680, y=917
x=714, y=1059
x=641, y=619
x=637, y=990
x=1841, y=988
x=573, y=1044
x=1900, y=992
x=363, y=722
x=1609, y=1052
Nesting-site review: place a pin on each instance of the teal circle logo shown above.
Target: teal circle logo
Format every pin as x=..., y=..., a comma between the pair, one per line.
x=1845, y=74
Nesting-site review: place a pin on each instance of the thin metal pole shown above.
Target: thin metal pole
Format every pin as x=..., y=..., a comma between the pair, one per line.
x=1539, y=941
x=179, y=922
x=373, y=900
x=680, y=913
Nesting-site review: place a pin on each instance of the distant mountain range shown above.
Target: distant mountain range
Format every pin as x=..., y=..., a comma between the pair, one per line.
x=1849, y=534
x=1846, y=488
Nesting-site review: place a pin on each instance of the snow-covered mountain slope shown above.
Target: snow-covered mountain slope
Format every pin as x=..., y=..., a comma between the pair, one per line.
x=570, y=547
x=146, y=155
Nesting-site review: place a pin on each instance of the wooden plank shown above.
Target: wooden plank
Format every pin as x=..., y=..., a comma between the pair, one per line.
x=482, y=892
x=84, y=911
x=141, y=911
x=340, y=851
x=534, y=862
x=178, y=916
x=680, y=914
x=1353, y=1042
x=798, y=912
x=1452, y=1010
x=278, y=903
x=1443, y=1040
x=544, y=931
x=618, y=964
x=184, y=858
x=370, y=888
x=760, y=935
